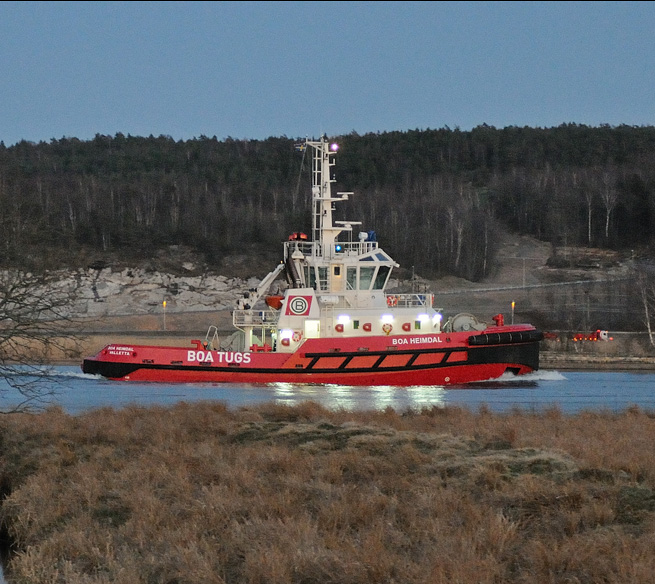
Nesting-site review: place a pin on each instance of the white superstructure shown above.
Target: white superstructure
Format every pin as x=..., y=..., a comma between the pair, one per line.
x=337, y=280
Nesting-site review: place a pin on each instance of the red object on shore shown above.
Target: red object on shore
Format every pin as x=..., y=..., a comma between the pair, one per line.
x=597, y=335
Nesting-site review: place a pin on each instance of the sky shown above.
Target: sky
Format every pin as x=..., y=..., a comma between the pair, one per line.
x=254, y=70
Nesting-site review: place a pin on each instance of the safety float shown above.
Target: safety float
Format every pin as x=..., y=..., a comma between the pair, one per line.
x=333, y=320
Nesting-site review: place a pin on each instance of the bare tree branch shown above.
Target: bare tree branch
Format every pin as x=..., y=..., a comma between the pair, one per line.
x=36, y=329
x=645, y=280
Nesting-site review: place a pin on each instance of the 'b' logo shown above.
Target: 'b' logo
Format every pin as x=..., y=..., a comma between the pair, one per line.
x=299, y=305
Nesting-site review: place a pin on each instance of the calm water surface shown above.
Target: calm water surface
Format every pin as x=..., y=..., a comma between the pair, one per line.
x=570, y=391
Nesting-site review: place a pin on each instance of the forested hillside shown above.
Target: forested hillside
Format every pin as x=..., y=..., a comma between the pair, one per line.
x=437, y=199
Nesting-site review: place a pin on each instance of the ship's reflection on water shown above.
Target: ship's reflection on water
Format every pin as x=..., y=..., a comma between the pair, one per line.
x=348, y=397
x=414, y=398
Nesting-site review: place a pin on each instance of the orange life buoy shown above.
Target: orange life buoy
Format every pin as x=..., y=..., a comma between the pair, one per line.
x=392, y=301
x=297, y=335
x=386, y=328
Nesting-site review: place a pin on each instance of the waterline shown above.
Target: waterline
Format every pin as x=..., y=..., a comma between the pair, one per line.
x=570, y=391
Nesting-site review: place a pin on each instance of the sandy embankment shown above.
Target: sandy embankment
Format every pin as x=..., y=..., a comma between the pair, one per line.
x=177, y=329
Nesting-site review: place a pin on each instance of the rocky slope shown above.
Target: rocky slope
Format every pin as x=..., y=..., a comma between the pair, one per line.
x=135, y=291
x=187, y=287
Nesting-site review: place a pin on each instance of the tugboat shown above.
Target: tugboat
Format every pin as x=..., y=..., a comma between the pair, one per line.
x=334, y=322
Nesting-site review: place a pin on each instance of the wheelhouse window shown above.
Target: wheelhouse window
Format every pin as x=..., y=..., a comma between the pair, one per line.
x=320, y=283
x=351, y=278
x=381, y=277
x=310, y=277
x=370, y=277
x=366, y=277
x=323, y=278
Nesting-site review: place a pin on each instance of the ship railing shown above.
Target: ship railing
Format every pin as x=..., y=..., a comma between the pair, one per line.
x=333, y=251
x=212, y=340
x=410, y=300
x=351, y=248
x=266, y=319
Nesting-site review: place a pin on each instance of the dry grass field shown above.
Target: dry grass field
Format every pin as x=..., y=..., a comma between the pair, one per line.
x=275, y=495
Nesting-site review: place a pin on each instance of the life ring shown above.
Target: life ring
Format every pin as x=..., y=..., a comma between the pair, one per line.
x=386, y=328
x=392, y=301
x=297, y=335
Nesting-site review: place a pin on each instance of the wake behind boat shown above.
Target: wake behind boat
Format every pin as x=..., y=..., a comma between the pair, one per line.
x=333, y=321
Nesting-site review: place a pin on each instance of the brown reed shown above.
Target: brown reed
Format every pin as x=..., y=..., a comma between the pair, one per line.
x=199, y=493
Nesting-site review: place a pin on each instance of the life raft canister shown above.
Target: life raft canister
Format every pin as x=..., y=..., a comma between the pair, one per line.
x=274, y=302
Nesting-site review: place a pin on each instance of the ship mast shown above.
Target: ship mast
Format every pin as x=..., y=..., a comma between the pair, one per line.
x=324, y=230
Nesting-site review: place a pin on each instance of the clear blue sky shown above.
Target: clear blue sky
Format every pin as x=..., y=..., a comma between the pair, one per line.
x=259, y=69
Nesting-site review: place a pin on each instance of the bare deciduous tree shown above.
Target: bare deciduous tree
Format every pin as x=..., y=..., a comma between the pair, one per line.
x=645, y=279
x=36, y=329
x=610, y=197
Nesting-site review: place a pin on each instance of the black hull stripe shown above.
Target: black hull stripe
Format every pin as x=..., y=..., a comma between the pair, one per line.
x=505, y=338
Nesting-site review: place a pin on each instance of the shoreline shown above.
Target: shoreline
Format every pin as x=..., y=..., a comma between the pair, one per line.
x=627, y=352
x=570, y=362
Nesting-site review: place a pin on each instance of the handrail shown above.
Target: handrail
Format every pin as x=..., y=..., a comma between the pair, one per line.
x=339, y=249
x=259, y=318
x=407, y=300
x=211, y=338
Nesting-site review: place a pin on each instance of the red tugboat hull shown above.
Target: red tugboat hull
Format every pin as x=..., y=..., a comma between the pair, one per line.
x=438, y=359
